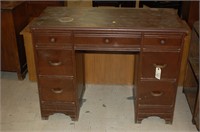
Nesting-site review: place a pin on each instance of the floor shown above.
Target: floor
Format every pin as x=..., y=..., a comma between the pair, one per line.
x=106, y=108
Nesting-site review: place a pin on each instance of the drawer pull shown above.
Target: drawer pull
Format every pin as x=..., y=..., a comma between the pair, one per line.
x=57, y=90
x=52, y=40
x=160, y=66
x=55, y=63
x=162, y=41
x=156, y=93
x=107, y=40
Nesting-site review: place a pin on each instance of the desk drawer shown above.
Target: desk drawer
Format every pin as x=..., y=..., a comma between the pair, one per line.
x=163, y=39
x=156, y=93
x=54, y=62
x=108, y=39
x=52, y=39
x=56, y=89
x=167, y=61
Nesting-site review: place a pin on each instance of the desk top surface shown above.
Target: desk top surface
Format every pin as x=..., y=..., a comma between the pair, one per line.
x=110, y=19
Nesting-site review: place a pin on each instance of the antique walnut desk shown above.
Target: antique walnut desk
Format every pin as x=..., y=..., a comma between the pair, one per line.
x=62, y=35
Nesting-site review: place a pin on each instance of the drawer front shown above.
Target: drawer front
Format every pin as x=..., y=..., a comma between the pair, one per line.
x=156, y=93
x=108, y=39
x=54, y=62
x=168, y=62
x=56, y=89
x=163, y=40
x=52, y=39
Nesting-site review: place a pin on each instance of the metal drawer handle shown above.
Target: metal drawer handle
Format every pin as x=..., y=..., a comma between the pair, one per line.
x=52, y=40
x=55, y=63
x=107, y=40
x=57, y=90
x=160, y=66
x=156, y=93
x=162, y=41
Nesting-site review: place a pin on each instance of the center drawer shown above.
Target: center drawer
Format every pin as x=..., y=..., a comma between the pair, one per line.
x=107, y=40
x=54, y=62
x=56, y=89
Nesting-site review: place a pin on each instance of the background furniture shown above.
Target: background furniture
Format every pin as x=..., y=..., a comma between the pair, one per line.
x=190, y=12
x=191, y=83
x=162, y=4
x=98, y=3
x=35, y=8
x=14, y=18
x=59, y=55
x=105, y=3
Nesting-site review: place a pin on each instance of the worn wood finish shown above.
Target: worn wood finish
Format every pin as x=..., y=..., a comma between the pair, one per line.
x=59, y=47
x=13, y=20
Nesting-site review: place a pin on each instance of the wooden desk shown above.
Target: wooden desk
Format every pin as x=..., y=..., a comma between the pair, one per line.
x=62, y=35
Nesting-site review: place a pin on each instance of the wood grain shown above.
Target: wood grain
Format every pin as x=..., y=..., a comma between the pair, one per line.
x=109, y=68
x=29, y=53
x=184, y=57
